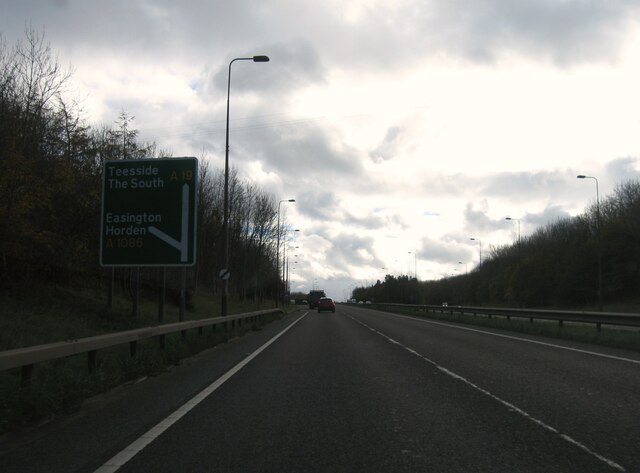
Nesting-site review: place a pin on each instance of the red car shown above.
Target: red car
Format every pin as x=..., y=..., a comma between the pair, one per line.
x=326, y=303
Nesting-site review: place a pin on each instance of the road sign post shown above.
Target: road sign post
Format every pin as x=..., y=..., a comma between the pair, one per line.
x=149, y=212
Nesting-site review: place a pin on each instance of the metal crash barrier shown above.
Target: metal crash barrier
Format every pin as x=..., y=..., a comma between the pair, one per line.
x=25, y=358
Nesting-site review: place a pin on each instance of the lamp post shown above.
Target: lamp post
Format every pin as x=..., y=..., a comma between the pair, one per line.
x=225, y=222
x=278, y=252
x=415, y=264
x=480, y=243
x=293, y=270
x=285, y=270
x=284, y=258
x=517, y=220
x=599, y=238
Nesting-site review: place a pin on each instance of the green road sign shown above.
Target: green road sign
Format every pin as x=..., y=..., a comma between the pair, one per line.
x=149, y=212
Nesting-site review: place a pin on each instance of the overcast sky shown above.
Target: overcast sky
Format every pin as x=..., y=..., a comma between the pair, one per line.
x=398, y=126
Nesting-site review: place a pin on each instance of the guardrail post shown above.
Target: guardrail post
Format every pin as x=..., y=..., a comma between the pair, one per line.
x=133, y=348
x=161, y=341
x=560, y=323
x=599, y=327
x=25, y=375
x=91, y=360
x=531, y=319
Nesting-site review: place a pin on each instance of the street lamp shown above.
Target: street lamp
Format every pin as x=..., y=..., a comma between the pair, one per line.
x=466, y=268
x=480, y=242
x=285, y=262
x=517, y=220
x=284, y=256
x=415, y=264
x=599, y=238
x=278, y=252
x=225, y=222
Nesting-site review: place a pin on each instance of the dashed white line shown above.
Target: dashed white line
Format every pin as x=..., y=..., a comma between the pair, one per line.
x=512, y=407
x=138, y=445
x=512, y=337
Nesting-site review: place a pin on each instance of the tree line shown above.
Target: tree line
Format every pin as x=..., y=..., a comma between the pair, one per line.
x=51, y=164
x=556, y=266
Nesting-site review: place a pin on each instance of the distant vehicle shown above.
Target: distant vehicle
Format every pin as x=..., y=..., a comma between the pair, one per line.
x=445, y=304
x=314, y=296
x=360, y=302
x=368, y=302
x=352, y=301
x=326, y=303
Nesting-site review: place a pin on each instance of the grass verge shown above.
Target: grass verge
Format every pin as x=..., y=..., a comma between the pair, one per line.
x=53, y=314
x=627, y=339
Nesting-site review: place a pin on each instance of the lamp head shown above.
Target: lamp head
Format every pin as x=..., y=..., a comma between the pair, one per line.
x=581, y=176
x=260, y=58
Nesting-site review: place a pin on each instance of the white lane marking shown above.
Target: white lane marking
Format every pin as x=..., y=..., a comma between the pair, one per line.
x=145, y=439
x=512, y=407
x=587, y=352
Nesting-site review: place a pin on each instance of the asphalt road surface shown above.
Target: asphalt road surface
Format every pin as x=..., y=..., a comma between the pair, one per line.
x=359, y=391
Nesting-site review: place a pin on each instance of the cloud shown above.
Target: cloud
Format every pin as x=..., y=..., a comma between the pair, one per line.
x=381, y=36
x=510, y=184
x=369, y=222
x=622, y=169
x=292, y=65
x=332, y=254
x=549, y=215
x=478, y=220
x=445, y=251
x=350, y=251
x=387, y=149
x=317, y=205
x=566, y=32
x=556, y=185
x=304, y=156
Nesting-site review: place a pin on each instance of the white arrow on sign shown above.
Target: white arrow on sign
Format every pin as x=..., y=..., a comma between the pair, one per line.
x=183, y=244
